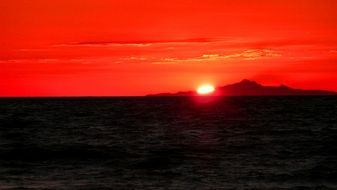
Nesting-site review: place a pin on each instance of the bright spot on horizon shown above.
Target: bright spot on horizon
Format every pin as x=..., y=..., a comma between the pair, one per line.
x=205, y=89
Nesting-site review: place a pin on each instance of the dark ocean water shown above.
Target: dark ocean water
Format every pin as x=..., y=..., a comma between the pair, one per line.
x=169, y=143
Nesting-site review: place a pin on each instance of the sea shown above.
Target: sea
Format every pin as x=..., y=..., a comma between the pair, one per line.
x=163, y=143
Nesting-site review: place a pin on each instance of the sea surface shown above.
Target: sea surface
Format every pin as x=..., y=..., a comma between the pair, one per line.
x=177, y=143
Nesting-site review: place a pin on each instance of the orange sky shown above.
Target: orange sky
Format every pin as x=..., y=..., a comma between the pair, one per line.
x=136, y=47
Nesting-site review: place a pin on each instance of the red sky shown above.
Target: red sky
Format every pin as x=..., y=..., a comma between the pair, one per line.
x=136, y=47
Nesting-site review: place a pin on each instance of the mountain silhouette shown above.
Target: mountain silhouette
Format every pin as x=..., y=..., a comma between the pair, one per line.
x=252, y=88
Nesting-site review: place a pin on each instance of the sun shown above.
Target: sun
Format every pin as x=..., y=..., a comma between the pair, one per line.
x=205, y=89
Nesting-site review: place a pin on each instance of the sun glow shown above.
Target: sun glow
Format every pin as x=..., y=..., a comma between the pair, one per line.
x=205, y=89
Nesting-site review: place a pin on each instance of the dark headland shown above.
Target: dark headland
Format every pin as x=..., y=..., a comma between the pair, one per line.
x=252, y=88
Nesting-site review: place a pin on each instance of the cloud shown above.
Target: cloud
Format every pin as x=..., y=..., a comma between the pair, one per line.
x=198, y=50
x=298, y=42
x=224, y=42
x=134, y=43
x=250, y=54
x=44, y=60
x=253, y=54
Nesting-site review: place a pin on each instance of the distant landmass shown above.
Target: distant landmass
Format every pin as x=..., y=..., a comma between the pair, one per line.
x=252, y=88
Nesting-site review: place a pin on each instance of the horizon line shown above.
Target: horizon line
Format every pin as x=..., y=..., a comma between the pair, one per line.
x=157, y=96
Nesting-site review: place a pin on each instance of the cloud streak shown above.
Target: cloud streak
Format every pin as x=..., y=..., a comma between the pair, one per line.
x=134, y=43
x=250, y=54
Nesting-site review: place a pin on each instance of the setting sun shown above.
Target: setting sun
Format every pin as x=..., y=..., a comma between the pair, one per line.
x=205, y=89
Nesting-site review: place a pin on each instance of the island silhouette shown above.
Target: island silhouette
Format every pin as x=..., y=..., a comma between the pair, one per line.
x=252, y=88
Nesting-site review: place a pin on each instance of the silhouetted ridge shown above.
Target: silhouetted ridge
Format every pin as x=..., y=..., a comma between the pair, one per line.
x=252, y=88
x=247, y=82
